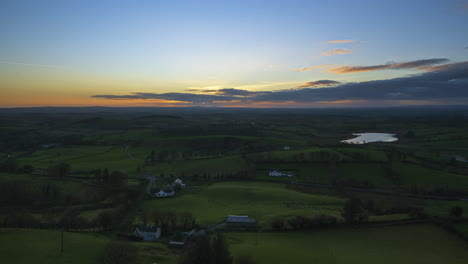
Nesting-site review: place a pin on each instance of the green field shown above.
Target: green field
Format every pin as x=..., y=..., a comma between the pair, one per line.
x=414, y=244
x=24, y=246
x=41, y=246
x=84, y=159
x=263, y=201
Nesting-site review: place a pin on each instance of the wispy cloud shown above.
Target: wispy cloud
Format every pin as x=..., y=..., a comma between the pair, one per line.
x=416, y=64
x=318, y=83
x=311, y=68
x=336, y=52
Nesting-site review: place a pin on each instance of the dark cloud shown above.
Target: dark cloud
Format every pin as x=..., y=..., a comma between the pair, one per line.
x=318, y=83
x=182, y=97
x=394, y=66
x=466, y=47
x=237, y=92
x=443, y=82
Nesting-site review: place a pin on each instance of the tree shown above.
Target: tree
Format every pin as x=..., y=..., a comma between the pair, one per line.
x=28, y=169
x=277, y=223
x=221, y=254
x=60, y=170
x=105, y=219
x=409, y=134
x=105, y=175
x=198, y=252
x=353, y=211
x=456, y=211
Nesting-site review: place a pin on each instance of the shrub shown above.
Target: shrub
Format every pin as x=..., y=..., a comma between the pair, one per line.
x=456, y=211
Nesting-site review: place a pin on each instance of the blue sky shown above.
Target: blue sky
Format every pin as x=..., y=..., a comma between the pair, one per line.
x=73, y=50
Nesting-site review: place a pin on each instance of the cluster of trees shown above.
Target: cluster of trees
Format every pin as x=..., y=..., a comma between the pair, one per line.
x=60, y=170
x=354, y=211
x=396, y=155
x=11, y=165
x=113, y=178
x=301, y=222
x=436, y=190
x=169, y=221
x=391, y=174
x=24, y=193
x=456, y=211
x=204, y=250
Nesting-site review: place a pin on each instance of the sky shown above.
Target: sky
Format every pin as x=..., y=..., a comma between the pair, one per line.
x=233, y=53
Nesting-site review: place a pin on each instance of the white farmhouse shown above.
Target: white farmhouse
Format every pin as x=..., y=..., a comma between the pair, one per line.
x=178, y=181
x=148, y=232
x=275, y=173
x=278, y=173
x=165, y=192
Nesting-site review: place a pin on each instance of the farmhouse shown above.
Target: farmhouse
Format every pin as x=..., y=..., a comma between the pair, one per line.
x=286, y=148
x=242, y=219
x=178, y=181
x=148, y=232
x=165, y=192
x=278, y=173
x=460, y=158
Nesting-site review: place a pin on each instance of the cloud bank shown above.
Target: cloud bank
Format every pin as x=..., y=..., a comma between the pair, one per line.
x=444, y=83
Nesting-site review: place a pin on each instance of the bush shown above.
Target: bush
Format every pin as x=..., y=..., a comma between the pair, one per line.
x=278, y=223
x=303, y=222
x=456, y=211
x=353, y=211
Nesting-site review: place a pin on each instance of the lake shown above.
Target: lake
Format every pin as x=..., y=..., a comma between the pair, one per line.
x=363, y=138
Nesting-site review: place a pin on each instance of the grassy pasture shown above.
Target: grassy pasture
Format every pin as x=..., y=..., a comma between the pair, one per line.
x=262, y=201
x=43, y=246
x=84, y=158
x=413, y=174
x=212, y=166
x=422, y=244
x=324, y=174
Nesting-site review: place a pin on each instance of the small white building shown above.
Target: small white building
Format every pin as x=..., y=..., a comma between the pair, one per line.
x=165, y=192
x=278, y=173
x=244, y=219
x=286, y=148
x=178, y=181
x=148, y=232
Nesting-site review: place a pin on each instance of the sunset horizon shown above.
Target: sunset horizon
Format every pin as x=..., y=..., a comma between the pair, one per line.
x=243, y=54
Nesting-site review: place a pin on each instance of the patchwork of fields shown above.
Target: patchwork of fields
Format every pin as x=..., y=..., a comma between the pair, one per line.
x=211, y=204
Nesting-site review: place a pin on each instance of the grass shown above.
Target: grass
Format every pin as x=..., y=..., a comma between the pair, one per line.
x=212, y=166
x=84, y=158
x=262, y=201
x=423, y=244
x=322, y=172
x=413, y=174
x=43, y=246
